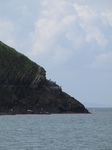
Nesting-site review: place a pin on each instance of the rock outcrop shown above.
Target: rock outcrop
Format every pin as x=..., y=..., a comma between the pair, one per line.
x=24, y=88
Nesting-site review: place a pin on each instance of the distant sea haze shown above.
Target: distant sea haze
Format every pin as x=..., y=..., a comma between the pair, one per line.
x=96, y=105
x=57, y=131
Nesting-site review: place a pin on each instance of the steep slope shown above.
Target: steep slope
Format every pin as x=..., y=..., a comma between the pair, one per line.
x=25, y=89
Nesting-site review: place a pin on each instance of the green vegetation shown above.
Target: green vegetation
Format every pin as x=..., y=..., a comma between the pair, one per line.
x=25, y=89
x=14, y=63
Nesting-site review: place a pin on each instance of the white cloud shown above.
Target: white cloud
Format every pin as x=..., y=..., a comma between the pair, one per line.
x=69, y=19
x=85, y=13
x=94, y=33
x=65, y=37
x=64, y=29
x=103, y=61
x=107, y=17
x=88, y=20
x=51, y=26
x=55, y=24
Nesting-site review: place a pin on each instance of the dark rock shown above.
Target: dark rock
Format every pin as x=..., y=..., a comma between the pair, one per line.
x=24, y=88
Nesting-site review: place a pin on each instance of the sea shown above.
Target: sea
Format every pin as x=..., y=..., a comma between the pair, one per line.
x=57, y=131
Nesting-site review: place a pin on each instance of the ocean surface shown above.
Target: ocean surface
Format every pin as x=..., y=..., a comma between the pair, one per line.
x=57, y=131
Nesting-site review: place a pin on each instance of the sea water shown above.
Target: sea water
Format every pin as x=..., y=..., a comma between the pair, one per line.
x=57, y=131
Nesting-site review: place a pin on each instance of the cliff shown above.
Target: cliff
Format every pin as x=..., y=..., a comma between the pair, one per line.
x=24, y=88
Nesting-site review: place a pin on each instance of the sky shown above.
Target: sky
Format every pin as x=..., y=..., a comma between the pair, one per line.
x=71, y=39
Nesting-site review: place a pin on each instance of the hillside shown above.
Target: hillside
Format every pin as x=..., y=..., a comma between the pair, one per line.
x=25, y=89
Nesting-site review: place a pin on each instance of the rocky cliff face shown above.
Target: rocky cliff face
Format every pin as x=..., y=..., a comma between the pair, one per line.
x=25, y=89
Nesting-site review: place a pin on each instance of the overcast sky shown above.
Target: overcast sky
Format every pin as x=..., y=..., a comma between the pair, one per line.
x=71, y=39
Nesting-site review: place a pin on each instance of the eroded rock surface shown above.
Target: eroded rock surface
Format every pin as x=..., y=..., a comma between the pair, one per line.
x=24, y=88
